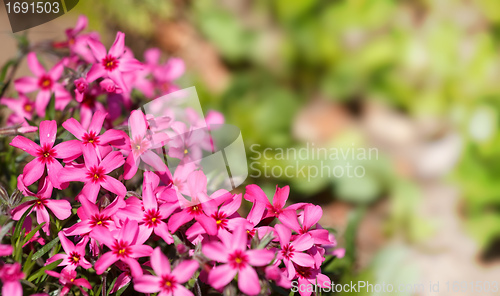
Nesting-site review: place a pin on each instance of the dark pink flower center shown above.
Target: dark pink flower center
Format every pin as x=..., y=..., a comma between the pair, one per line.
x=46, y=153
x=110, y=63
x=96, y=174
x=151, y=218
x=275, y=211
x=238, y=259
x=91, y=138
x=74, y=258
x=195, y=210
x=139, y=146
x=45, y=82
x=81, y=85
x=303, y=272
x=40, y=203
x=28, y=107
x=288, y=251
x=99, y=219
x=220, y=219
x=121, y=249
x=168, y=283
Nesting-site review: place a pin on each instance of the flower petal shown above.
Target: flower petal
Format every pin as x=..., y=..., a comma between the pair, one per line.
x=160, y=263
x=118, y=46
x=25, y=144
x=147, y=284
x=33, y=171
x=260, y=257
x=48, y=132
x=35, y=65
x=221, y=275
x=248, y=281
x=60, y=208
x=113, y=185
x=104, y=262
x=215, y=251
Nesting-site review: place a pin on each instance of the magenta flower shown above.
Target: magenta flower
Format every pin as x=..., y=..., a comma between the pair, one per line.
x=124, y=246
x=91, y=216
x=141, y=143
x=22, y=109
x=46, y=83
x=11, y=274
x=197, y=208
x=237, y=260
x=46, y=153
x=291, y=251
x=94, y=173
x=168, y=282
x=263, y=209
x=60, y=208
x=68, y=279
x=92, y=136
x=113, y=63
x=309, y=220
x=152, y=214
x=308, y=277
x=74, y=256
x=123, y=279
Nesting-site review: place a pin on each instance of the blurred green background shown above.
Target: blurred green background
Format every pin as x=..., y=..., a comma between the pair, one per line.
x=418, y=80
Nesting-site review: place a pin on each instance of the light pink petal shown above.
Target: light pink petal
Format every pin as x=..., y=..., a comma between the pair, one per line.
x=181, y=291
x=26, y=84
x=303, y=259
x=117, y=77
x=5, y=250
x=303, y=242
x=60, y=208
x=56, y=72
x=42, y=215
x=221, y=275
x=232, y=206
x=161, y=230
x=79, y=228
x=130, y=64
x=114, y=206
x=18, y=211
x=312, y=214
x=284, y=234
x=112, y=161
x=185, y=270
x=90, y=156
x=34, y=64
x=152, y=56
x=197, y=183
x=68, y=174
x=208, y=223
x=12, y=288
x=248, y=281
x=260, y=257
x=97, y=71
x=25, y=144
x=67, y=245
x=73, y=126
x=68, y=150
x=48, y=132
x=33, y=171
x=113, y=185
x=137, y=124
x=140, y=251
x=118, y=46
x=104, y=262
x=239, y=239
x=113, y=137
x=97, y=121
x=147, y=284
x=98, y=50
x=103, y=236
x=81, y=24
x=255, y=194
x=91, y=190
x=53, y=169
x=215, y=251
x=129, y=231
x=289, y=219
x=41, y=102
x=122, y=280
x=135, y=267
x=174, y=69
x=130, y=167
x=280, y=197
x=178, y=219
x=159, y=262
x=154, y=160
x=83, y=283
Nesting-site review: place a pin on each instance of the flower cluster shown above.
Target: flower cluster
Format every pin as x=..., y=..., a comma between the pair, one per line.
x=107, y=203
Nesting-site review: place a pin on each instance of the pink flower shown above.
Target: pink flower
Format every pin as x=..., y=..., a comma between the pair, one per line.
x=152, y=214
x=75, y=255
x=11, y=274
x=81, y=86
x=262, y=208
x=46, y=153
x=22, y=109
x=68, y=279
x=168, y=282
x=124, y=246
x=141, y=143
x=46, y=82
x=291, y=251
x=60, y=208
x=92, y=136
x=123, y=279
x=94, y=173
x=309, y=220
x=237, y=260
x=308, y=277
x=91, y=216
x=113, y=63
x=197, y=208
x=165, y=75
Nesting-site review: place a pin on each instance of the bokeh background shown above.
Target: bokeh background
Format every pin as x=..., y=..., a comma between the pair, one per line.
x=418, y=80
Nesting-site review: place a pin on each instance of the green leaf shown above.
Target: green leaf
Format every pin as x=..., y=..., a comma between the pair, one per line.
x=28, y=265
x=45, y=248
x=51, y=109
x=42, y=270
x=32, y=233
x=111, y=286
